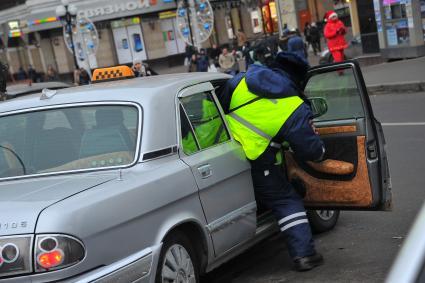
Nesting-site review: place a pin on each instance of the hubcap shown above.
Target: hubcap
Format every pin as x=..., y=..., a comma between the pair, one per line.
x=325, y=214
x=177, y=266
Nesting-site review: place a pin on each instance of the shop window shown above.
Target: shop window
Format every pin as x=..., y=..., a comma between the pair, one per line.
x=397, y=30
x=229, y=27
x=256, y=22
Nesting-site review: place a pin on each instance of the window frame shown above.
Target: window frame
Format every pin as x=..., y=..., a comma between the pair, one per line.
x=137, y=153
x=187, y=93
x=347, y=65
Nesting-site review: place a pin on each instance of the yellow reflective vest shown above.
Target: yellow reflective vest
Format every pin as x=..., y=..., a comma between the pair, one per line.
x=209, y=130
x=255, y=124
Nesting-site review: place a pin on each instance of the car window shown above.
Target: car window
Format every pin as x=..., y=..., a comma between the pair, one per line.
x=205, y=119
x=45, y=141
x=189, y=143
x=340, y=90
x=56, y=119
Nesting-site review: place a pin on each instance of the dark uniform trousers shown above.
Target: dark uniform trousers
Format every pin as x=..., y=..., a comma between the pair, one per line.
x=273, y=191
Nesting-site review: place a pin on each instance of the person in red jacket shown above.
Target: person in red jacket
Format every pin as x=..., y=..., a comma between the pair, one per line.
x=334, y=33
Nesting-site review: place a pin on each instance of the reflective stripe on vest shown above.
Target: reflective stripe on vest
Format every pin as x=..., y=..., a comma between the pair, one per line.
x=256, y=124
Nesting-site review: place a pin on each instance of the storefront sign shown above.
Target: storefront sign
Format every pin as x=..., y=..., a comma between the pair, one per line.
x=14, y=29
x=167, y=15
x=115, y=8
x=101, y=10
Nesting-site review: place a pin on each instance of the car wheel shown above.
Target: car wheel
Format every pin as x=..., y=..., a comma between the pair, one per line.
x=322, y=220
x=177, y=262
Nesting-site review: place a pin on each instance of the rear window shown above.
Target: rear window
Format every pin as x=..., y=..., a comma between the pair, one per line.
x=68, y=139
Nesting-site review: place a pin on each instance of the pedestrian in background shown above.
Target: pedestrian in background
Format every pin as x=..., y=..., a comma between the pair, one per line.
x=307, y=34
x=242, y=39
x=141, y=69
x=296, y=45
x=214, y=54
x=226, y=61
x=21, y=75
x=51, y=75
x=32, y=74
x=334, y=32
x=315, y=38
x=246, y=49
x=84, y=77
x=193, y=64
x=285, y=29
x=188, y=51
x=202, y=63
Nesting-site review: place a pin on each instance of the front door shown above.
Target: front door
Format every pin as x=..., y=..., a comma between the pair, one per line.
x=355, y=173
x=219, y=166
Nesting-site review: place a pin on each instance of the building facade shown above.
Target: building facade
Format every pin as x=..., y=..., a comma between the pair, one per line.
x=401, y=27
x=31, y=34
x=127, y=30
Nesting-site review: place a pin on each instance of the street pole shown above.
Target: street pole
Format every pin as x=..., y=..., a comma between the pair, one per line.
x=69, y=31
x=279, y=18
x=188, y=15
x=67, y=14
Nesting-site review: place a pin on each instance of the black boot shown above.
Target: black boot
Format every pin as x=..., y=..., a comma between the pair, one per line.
x=308, y=262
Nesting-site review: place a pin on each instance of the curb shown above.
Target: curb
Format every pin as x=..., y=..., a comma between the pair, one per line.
x=417, y=86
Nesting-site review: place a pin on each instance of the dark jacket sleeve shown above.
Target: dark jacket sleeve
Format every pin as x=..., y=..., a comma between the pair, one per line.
x=305, y=143
x=225, y=91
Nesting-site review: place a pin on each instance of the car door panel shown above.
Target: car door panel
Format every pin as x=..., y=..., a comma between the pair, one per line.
x=222, y=174
x=352, y=175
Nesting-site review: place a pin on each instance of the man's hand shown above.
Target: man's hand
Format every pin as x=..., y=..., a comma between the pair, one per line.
x=313, y=127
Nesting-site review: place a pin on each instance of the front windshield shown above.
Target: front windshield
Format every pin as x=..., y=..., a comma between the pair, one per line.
x=74, y=138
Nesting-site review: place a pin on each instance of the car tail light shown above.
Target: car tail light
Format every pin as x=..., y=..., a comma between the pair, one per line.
x=54, y=252
x=15, y=255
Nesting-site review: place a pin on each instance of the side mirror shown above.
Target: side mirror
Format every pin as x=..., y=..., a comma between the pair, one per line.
x=319, y=106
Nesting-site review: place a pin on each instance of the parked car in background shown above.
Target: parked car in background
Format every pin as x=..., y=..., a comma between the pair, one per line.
x=141, y=179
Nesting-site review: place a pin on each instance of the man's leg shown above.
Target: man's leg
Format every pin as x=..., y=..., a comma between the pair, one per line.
x=273, y=191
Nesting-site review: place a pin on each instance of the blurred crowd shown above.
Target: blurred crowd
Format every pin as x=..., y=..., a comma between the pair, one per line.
x=236, y=57
x=229, y=58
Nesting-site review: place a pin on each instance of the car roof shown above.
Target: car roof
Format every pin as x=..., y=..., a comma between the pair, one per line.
x=156, y=95
x=160, y=87
x=19, y=89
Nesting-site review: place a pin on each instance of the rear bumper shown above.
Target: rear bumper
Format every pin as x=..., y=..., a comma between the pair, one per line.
x=140, y=266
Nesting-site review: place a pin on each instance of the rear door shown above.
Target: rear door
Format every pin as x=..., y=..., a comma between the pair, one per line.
x=355, y=174
x=219, y=166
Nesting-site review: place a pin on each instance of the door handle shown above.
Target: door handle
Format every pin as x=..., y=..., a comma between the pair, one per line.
x=205, y=171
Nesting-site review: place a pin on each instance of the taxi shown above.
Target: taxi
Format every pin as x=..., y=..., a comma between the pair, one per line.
x=121, y=181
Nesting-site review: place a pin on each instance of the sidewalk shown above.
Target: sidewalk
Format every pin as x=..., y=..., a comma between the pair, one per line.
x=400, y=76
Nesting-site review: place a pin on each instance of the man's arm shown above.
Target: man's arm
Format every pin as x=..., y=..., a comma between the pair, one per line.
x=301, y=136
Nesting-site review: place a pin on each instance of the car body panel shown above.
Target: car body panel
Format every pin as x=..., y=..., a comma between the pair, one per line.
x=129, y=210
x=27, y=198
x=122, y=215
x=351, y=135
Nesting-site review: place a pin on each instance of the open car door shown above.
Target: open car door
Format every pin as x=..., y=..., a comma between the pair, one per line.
x=355, y=173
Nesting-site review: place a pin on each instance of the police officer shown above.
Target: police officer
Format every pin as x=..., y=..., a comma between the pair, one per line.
x=264, y=108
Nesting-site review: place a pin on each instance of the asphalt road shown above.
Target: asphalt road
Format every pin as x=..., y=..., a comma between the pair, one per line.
x=363, y=245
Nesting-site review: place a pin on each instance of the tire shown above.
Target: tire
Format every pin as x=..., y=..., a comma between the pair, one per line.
x=176, y=247
x=322, y=220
